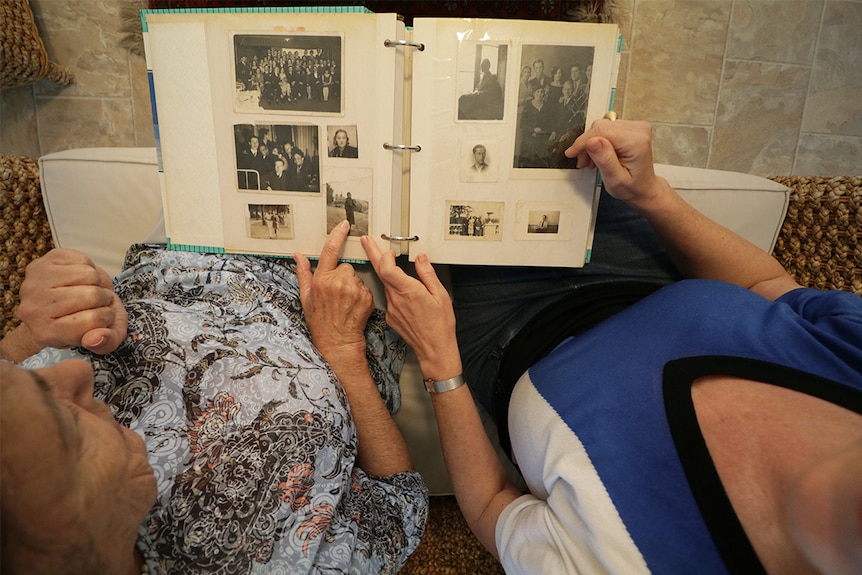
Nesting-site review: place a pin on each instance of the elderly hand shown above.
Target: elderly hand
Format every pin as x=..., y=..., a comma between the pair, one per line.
x=336, y=302
x=622, y=151
x=420, y=311
x=67, y=300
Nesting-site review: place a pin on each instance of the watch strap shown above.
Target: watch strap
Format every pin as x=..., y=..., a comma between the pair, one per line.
x=445, y=385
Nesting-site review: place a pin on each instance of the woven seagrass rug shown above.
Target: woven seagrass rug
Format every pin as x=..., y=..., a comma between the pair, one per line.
x=819, y=244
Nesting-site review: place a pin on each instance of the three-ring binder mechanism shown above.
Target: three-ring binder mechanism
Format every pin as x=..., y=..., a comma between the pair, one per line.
x=405, y=147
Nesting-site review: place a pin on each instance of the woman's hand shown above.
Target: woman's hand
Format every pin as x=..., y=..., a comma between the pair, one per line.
x=336, y=302
x=67, y=300
x=622, y=151
x=420, y=311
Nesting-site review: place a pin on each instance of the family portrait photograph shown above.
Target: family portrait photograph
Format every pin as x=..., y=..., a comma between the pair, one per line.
x=553, y=93
x=291, y=72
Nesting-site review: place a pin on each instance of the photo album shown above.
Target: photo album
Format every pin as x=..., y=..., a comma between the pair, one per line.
x=273, y=125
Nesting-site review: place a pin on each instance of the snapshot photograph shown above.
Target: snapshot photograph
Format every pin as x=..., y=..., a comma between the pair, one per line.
x=481, y=81
x=543, y=222
x=475, y=220
x=275, y=157
x=270, y=221
x=348, y=197
x=290, y=72
x=553, y=93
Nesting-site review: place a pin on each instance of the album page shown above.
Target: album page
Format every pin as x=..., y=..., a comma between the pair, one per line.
x=495, y=104
x=270, y=127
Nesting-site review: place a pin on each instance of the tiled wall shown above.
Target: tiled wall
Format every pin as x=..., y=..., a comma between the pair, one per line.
x=770, y=87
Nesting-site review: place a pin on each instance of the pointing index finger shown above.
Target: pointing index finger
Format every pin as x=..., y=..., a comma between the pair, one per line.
x=332, y=247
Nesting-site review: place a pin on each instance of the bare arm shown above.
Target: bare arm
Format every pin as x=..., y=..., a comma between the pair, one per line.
x=699, y=247
x=421, y=312
x=337, y=306
x=66, y=300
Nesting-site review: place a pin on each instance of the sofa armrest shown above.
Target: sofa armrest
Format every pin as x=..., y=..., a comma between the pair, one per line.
x=751, y=206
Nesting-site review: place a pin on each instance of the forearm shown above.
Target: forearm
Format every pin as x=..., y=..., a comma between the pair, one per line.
x=481, y=485
x=702, y=248
x=382, y=449
x=18, y=345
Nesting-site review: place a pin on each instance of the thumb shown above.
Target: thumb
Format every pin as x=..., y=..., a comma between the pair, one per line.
x=605, y=158
x=104, y=340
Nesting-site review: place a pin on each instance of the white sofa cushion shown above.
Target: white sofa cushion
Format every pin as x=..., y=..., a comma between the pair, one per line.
x=101, y=200
x=751, y=206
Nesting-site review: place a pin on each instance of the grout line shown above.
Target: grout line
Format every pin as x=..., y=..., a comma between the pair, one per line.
x=811, y=69
x=724, y=59
x=630, y=58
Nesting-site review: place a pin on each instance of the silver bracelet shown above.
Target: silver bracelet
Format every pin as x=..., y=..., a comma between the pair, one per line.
x=445, y=385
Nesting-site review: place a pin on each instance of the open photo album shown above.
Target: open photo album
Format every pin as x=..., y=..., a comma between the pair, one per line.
x=273, y=125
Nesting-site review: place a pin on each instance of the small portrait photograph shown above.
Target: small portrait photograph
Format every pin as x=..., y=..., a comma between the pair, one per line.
x=480, y=221
x=290, y=72
x=348, y=197
x=543, y=220
x=277, y=158
x=481, y=81
x=553, y=93
x=480, y=161
x=270, y=221
x=342, y=142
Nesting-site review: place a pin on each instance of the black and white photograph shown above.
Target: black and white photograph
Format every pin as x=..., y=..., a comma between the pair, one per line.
x=481, y=81
x=553, y=93
x=543, y=222
x=348, y=197
x=277, y=158
x=342, y=142
x=475, y=220
x=270, y=221
x=290, y=72
x=480, y=161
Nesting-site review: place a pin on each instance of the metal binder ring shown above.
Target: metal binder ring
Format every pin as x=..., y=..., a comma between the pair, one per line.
x=400, y=238
x=418, y=45
x=402, y=147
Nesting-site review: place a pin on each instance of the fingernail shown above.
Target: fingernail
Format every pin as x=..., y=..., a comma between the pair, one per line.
x=344, y=224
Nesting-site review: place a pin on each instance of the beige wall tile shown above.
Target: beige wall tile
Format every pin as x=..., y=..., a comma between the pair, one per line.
x=774, y=30
x=834, y=101
x=85, y=36
x=759, y=112
x=826, y=155
x=18, y=128
x=677, y=52
x=680, y=145
x=66, y=123
x=624, y=12
x=144, y=135
x=619, y=97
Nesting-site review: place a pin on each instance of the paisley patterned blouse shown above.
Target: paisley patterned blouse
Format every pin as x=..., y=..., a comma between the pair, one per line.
x=247, y=427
